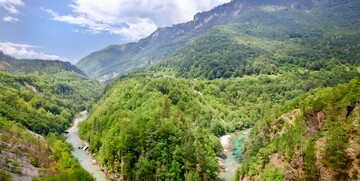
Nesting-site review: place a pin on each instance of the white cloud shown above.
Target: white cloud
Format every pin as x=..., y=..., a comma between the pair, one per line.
x=10, y=19
x=26, y=51
x=132, y=19
x=12, y=5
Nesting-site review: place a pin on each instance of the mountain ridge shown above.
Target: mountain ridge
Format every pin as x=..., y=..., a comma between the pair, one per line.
x=122, y=59
x=13, y=65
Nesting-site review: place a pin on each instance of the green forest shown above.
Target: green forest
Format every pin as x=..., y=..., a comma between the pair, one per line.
x=301, y=138
x=270, y=43
x=47, y=103
x=165, y=128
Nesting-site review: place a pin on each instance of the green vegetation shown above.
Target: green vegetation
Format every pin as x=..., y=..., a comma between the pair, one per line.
x=25, y=66
x=262, y=42
x=272, y=174
x=146, y=129
x=41, y=96
x=145, y=121
x=270, y=68
x=45, y=103
x=298, y=141
x=74, y=174
x=63, y=166
x=5, y=176
x=163, y=122
x=310, y=168
x=336, y=144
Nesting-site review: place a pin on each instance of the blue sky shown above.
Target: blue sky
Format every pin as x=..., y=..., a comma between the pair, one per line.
x=71, y=29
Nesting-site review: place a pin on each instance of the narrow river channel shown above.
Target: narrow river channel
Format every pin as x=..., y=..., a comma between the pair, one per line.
x=232, y=145
x=86, y=161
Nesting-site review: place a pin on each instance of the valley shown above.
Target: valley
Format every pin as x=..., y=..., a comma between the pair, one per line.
x=37, y=103
x=249, y=90
x=231, y=76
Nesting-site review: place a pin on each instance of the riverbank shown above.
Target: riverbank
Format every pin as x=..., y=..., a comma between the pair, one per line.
x=85, y=159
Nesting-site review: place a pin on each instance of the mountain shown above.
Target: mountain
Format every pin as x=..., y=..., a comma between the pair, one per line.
x=267, y=39
x=121, y=59
x=117, y=60
x=12, y=65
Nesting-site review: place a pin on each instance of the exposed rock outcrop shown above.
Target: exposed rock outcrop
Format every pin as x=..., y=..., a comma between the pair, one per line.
x=315, y=123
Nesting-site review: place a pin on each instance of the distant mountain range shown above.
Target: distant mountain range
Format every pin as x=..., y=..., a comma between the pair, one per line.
x=117, y=60
x=13, y=65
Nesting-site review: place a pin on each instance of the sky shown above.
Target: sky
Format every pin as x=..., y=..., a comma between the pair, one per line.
x=68, y=30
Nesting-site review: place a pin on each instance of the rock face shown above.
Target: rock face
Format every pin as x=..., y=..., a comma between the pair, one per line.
x=277, y=160
x=315, y=123
x=164, y=42
x=295, y=169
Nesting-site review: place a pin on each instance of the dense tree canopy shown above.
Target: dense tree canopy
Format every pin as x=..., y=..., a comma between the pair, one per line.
x=301, y=140
x=45, y=103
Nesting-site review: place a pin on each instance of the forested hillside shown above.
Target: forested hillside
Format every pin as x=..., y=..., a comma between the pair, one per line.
x=45, y=103
x=314, y=137
x=43, y=97
x=268, y=59
x=150, y=126
x=271, y=40
x=241, y=38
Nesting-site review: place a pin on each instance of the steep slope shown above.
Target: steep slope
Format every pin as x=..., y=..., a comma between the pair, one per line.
x=25, y=155
x=121, y=59
x=44, y=98
x=144, y=129
x=268, y=39
x=319, y=139
x=45, y=103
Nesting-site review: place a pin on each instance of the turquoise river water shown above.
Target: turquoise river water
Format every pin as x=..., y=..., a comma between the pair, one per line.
x=85, y=159
x=232, y=161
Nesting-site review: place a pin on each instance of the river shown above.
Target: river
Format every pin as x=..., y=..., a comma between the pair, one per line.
x=86, y=161
x=232, y=145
